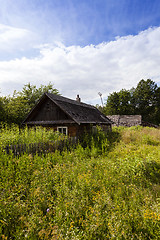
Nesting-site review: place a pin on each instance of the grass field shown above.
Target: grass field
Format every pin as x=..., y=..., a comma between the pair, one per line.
x=106, y=188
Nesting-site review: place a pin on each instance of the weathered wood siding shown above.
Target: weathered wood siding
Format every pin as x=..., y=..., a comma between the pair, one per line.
x=48, y=112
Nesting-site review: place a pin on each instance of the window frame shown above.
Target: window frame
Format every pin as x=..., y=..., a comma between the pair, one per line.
x=62, y=127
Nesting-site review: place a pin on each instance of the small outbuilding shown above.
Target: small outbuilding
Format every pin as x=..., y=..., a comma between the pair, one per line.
x=125, y=120
x=129, y=121
x=70, y=117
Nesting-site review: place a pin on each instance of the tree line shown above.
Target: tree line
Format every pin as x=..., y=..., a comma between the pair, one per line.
x=13, y=109
x=143, y=100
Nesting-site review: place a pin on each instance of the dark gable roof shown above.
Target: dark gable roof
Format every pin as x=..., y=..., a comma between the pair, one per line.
x=79, y=112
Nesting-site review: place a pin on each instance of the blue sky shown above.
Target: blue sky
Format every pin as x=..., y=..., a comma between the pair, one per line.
x=80, y=22
x=82, y=47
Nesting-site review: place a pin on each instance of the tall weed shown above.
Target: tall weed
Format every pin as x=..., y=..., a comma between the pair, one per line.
x=12, y=135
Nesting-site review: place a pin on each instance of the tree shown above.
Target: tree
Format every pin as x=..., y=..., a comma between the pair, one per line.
x=2, y=110
x=125, y=106
x=17, y=106
x=119, y=103
x=32, y=94
x=156, y=116
x=144, y=99
x=112, y=105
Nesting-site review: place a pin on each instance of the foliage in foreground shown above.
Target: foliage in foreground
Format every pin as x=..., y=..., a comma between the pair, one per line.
x=87, y=193
x=12, y=135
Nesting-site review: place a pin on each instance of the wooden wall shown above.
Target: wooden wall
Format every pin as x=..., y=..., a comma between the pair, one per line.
x=74, y=130
x=47, y=111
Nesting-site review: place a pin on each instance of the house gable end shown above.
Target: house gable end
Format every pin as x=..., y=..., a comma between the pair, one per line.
x=49, y=111
x=46, y=110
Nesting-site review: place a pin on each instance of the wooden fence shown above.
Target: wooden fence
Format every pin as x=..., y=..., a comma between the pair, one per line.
x=41, y=148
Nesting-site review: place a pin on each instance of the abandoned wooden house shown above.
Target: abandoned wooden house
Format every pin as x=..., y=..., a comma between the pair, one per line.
x=125, y=120
x=70, y=117
x=129, y=121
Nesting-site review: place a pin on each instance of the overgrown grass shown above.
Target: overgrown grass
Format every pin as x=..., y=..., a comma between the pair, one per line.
x=12, y=135
x=107, y=189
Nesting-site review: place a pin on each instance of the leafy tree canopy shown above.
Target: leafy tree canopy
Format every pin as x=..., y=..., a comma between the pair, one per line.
x=119, y=103
x=143, y=100
x=31, y=94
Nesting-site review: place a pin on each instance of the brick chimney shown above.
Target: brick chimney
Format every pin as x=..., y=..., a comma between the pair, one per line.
x=78, y=98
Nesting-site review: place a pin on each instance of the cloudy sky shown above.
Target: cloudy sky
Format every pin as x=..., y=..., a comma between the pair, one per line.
x=81, y=46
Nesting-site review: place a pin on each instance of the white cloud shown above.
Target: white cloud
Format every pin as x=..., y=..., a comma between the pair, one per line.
x=73, y=70
x=13, y=38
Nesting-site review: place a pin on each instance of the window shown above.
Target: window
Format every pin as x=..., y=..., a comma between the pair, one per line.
x=63, y=130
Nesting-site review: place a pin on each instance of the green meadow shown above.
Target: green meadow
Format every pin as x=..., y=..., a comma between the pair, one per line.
x=107, y=187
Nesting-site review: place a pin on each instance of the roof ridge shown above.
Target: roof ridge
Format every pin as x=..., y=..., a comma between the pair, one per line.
x=64, y=99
